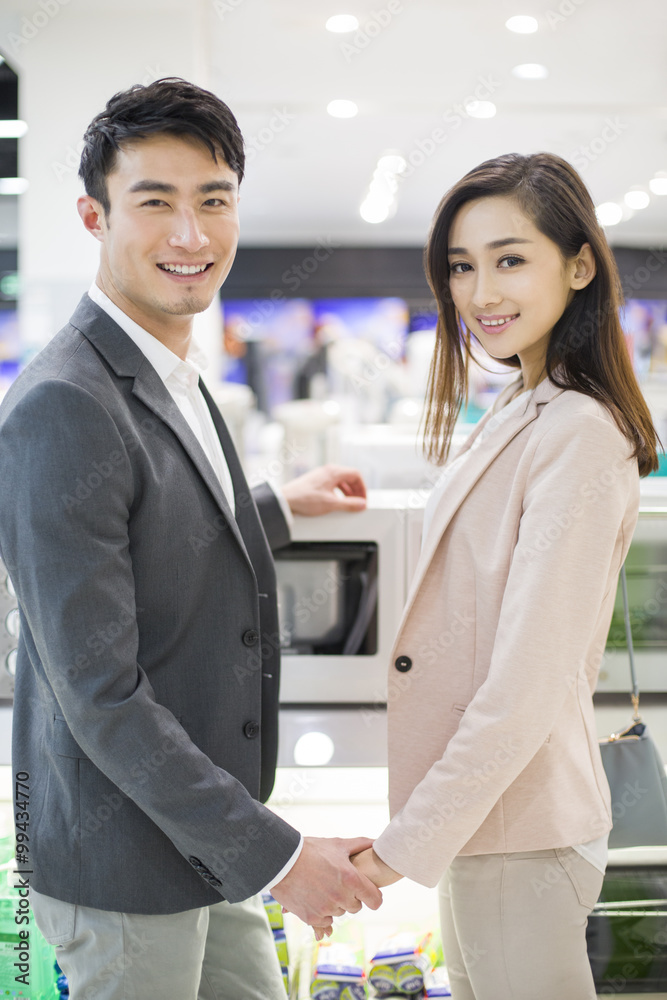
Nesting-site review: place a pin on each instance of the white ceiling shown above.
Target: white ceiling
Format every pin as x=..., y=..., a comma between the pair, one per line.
x=607, y=63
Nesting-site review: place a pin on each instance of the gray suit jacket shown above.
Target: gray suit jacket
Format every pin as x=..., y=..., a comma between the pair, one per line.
x=148, y=664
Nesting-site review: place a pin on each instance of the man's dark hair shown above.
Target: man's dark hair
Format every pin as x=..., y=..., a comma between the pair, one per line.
x=171, y=106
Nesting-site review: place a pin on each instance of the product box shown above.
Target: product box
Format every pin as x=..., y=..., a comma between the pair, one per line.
x=337, y=971
x=274, y=911
x=401, y=963
x=436, y=983
x=280, y=941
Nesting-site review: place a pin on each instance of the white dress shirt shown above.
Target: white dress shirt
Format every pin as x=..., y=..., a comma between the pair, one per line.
x=181, y=379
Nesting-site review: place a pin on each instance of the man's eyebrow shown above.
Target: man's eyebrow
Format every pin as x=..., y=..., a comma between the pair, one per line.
x=494, y=245
x=163, y=188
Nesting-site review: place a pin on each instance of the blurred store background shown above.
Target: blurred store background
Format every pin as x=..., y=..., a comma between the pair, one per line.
x=320, y=343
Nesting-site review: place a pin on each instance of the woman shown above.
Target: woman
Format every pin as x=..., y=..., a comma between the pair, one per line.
x=497, y=790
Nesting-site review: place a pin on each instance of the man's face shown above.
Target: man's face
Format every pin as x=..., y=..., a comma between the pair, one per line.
x=171, y=234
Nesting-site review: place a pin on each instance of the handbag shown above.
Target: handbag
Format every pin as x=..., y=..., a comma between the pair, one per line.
x=635, y=771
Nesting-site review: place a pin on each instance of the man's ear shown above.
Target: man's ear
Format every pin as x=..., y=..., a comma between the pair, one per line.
x=93, y=216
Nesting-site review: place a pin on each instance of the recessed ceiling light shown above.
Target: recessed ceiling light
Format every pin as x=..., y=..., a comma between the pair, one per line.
x=636, y=199
x=12, y=128
x=13, y=185
x=658, y=184
x=313, y=750
x=392, y=163
x=530, y=71
x=341, y=23
x=374, y=210
x=342, y=109
x=609, y=213
x=480, y=109
x=522, y=24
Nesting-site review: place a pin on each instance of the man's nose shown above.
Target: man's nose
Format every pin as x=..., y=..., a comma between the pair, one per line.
x=188, y=233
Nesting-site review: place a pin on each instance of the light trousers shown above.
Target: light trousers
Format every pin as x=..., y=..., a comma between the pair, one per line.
x=219, y=952
x=514, y=925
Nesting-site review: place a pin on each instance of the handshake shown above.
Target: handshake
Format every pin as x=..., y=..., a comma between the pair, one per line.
x=332, y=877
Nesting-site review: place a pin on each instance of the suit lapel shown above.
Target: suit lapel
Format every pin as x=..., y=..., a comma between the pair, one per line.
x=127, y=359
x=477, y=462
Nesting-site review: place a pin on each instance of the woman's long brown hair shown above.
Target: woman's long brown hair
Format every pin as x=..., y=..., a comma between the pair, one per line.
x=587, y=344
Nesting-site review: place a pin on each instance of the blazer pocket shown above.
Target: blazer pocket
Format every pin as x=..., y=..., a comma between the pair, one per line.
x=63, y=743
x=459, y=709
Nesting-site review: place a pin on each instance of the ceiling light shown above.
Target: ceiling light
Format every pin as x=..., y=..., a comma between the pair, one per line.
x=12, y=128
x=13, y=185
x=530, y=71
x=374, y=210
x=313, y=750
x=392, y=163
x=522, y=24
x=480, y=109
x=340, y=23
x=658, y=184
x=342, y=109
x=636, y=199
x=609, y=213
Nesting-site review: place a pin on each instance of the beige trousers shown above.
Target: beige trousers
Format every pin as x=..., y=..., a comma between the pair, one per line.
x=220, y=952
x=514, y=925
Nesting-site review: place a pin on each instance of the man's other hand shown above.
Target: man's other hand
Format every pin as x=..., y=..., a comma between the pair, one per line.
x=324, y=883
x=325, y=489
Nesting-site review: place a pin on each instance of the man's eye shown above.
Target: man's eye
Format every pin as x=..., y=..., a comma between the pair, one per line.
x=153, y=201
x=214, y=202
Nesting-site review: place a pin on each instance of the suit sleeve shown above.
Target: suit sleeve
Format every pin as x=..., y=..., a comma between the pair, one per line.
x=66, y=492
x=569, y=546
x=273, y=516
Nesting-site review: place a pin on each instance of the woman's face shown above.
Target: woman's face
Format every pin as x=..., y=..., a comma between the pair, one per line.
x=508, y=280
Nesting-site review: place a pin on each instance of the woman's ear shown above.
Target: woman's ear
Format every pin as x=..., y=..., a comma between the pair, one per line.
x=584, y=268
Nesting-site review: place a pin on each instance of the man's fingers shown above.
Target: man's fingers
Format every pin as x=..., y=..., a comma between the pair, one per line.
x=368, y=893
x=355, y=845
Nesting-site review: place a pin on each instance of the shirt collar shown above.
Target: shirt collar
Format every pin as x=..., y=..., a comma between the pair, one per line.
x=167, y=364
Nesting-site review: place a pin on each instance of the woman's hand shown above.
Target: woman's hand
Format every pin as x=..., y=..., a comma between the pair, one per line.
x=374, y=868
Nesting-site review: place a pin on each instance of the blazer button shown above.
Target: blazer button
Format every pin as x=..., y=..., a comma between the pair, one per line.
x=403, y=663
x=251, y=730
x=250, y=637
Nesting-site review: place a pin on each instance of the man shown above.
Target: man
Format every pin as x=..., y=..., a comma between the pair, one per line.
x=148, y=664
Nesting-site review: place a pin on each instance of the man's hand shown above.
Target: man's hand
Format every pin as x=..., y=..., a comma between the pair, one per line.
x=327, y=488
x=374, y=868
x=324, y=883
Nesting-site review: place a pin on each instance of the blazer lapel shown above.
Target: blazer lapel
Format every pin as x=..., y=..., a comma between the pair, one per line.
x=126, y=359
x=475, y=465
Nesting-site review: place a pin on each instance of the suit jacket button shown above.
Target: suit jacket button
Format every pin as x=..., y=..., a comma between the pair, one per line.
x=251, y=729
x=250, y=637
x=403, y=663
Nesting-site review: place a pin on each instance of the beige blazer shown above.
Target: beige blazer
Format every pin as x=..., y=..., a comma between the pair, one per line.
x=492, y=739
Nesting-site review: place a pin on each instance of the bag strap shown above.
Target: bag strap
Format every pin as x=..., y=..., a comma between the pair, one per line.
x=631, y=654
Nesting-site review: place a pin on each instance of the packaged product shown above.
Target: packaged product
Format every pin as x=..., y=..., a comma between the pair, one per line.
x=337, y=971
x=274, y=911
x=436, y=983
x=401, y=962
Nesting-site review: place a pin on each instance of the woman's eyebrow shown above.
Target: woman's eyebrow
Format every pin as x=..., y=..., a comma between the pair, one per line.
x=494, y=245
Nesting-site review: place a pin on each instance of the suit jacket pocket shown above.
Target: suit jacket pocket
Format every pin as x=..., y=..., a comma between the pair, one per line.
x=63, y=743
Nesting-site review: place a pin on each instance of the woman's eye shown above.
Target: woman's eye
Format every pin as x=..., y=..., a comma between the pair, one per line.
x=511, y=261
x=460, y=267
